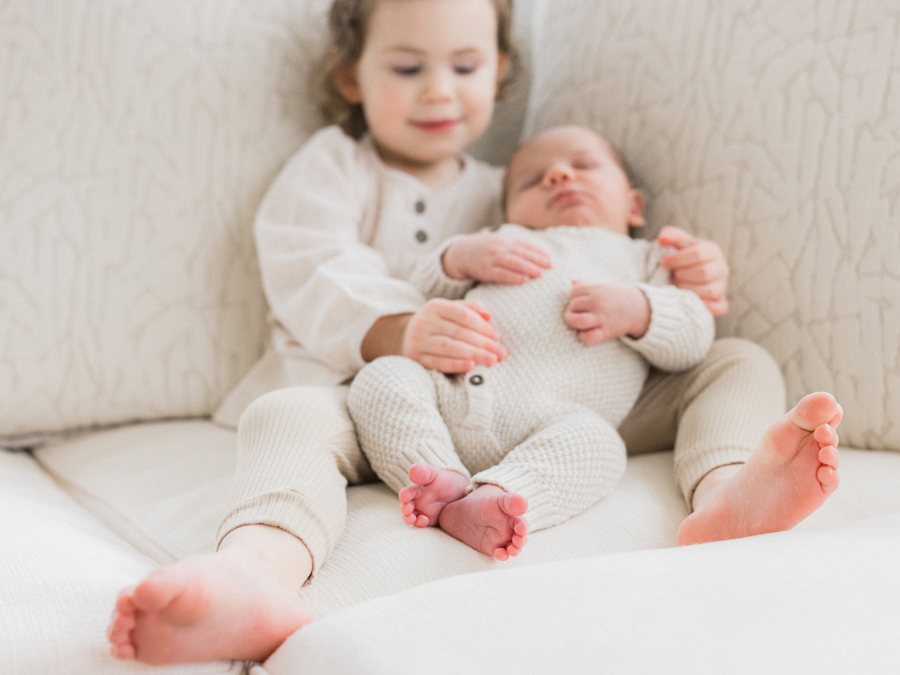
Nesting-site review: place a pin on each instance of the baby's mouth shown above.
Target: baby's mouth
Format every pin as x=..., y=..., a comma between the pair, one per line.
x=566, y=197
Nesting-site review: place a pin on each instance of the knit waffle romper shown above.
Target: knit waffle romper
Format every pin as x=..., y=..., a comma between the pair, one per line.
x=542, y=423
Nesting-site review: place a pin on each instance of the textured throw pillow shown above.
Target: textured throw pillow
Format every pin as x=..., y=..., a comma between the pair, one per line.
x=774, y=129
x=136, y=141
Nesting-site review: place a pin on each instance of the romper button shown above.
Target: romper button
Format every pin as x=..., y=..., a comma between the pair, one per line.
x=421, y=236
x=420, y=206
x=476, y=380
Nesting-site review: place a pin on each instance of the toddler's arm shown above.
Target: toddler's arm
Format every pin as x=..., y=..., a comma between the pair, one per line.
x=451, y=336
x=697, y=265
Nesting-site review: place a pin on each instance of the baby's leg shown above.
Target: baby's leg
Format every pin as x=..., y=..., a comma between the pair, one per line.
x=558, y=472
x=393, y=403
x=790, y=475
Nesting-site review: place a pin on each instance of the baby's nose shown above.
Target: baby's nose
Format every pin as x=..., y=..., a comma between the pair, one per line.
x=558, y=173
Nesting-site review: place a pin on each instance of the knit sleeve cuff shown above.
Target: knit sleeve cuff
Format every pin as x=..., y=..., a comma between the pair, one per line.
x=681, y=329
x=543, y=511
x=428, y=275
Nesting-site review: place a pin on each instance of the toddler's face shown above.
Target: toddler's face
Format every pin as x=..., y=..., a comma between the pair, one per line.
x=570, y=176
x=427, y=77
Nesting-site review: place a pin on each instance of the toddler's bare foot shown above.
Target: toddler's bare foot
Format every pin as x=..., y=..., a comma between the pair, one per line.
x=489, y=520
x=205, y=608
x=788, y=477
x=422, y=503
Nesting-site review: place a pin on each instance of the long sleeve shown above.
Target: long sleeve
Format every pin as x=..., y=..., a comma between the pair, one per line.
x=428, y=275
x=324, y=284
x=681, y=329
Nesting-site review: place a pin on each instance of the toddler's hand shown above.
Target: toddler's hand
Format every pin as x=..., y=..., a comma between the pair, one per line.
x=603, y=311
x=697, y=265
x=494, y=258
x=452, y=336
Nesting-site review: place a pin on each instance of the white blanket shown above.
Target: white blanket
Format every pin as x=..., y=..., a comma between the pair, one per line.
x=816, y=601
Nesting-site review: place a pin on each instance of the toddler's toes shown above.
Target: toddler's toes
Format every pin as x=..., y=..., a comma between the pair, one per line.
x=828, y=478
x=825, y=435
x=830, y=456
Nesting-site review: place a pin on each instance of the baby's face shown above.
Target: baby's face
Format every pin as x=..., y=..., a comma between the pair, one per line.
x=570, y=176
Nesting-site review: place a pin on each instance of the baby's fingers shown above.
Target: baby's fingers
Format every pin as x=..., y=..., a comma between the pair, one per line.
x=533, y=254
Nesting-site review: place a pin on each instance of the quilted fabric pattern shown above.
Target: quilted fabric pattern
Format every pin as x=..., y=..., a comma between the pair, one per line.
x=774, y=129
x=136, y=140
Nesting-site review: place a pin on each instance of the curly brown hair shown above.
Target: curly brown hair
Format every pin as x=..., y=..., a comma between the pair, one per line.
x=348, y=21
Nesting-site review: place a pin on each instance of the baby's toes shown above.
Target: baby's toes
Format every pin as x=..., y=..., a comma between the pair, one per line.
x=410, y=493
x=501, y=554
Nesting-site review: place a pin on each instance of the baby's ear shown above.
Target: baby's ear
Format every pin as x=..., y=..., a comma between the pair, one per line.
x=636, y=212
x=347, y=83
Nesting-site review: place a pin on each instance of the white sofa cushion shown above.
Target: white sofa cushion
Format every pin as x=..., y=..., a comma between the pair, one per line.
x=163, y=487
x=773, y=128
x=60, y=573
x=822, y=601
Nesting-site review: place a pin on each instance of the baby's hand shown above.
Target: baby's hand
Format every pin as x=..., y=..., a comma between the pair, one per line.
x=495, y=258
x=452, y=336
x=603, y=311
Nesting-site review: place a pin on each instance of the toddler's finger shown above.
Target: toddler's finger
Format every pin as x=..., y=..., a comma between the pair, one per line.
x=674, y=236
x=479, y=308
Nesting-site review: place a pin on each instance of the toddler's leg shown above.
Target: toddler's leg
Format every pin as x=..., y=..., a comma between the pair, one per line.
x=393, y=402
x=714, y=415
x=790, y=475
x=558, y=472
x=296, y=451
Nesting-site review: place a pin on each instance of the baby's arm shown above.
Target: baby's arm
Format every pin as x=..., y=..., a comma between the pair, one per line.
x=605, y=311
x=491, y=257
x=669, y=326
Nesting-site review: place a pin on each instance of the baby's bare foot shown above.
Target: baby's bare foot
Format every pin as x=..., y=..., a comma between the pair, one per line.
x=489, y=520
x=422, y=503
x=205, y=608
x=788, y=477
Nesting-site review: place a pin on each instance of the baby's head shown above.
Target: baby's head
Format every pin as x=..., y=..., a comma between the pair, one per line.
x=571, y=176
x=380, y=45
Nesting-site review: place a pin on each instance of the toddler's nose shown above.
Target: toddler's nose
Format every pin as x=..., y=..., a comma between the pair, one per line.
x=438, y=87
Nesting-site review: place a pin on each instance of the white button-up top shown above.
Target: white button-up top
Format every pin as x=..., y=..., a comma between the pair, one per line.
x=337, y=235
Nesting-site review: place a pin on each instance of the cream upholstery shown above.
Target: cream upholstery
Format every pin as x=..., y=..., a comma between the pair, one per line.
x=136, y=139
x=60, y=572
x=774, y=129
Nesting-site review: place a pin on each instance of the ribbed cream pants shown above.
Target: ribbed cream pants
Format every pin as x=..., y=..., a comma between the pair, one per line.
x=297, y=449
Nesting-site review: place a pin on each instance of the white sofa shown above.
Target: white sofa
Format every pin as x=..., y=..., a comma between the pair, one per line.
x=136, y=140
